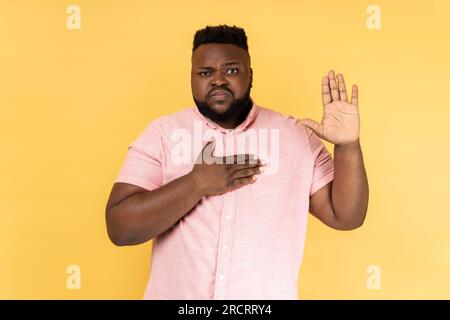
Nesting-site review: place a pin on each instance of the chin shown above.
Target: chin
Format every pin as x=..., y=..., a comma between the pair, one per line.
x=220, y=106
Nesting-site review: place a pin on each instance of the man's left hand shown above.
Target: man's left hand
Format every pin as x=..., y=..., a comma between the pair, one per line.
x=340, y=120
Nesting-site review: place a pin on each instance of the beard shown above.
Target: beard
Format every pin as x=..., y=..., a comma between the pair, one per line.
x=238, y=109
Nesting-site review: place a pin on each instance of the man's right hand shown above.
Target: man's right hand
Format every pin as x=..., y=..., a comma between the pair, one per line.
x=216, y=175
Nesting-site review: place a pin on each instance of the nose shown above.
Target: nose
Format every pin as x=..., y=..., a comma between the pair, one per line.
x=219, y=79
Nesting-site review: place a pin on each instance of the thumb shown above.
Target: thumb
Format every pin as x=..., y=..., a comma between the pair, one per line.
x=210, y=146
x=316, y=127
x=208, y=150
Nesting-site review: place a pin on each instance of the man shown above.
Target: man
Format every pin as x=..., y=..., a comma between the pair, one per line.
x=229, y=221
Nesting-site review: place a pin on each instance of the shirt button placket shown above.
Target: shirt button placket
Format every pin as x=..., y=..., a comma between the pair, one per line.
x=225, y=238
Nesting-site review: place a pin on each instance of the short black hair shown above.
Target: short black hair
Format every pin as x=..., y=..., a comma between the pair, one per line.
x=221, y=34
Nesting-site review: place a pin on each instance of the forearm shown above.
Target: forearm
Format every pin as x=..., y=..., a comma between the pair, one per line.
x=350, y=189
x=145, y=215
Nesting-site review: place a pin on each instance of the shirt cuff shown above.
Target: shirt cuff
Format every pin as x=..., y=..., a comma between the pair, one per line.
x=322, y=182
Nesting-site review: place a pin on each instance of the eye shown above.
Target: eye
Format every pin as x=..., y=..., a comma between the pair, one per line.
x=233, y=71
x=204, y=73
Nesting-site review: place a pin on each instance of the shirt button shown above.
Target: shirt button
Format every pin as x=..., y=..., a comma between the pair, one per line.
x=225, y=247
x=228, y=217
x=222, y=277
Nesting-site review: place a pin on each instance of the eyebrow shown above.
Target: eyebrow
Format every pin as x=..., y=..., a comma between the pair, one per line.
x=224, y=64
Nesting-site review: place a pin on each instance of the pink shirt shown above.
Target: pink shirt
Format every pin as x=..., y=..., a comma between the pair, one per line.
x=243, y=244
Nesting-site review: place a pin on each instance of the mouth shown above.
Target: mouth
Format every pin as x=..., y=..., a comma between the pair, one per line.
x=219, y=94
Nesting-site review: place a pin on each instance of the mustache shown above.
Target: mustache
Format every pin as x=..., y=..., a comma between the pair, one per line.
x=217, y=89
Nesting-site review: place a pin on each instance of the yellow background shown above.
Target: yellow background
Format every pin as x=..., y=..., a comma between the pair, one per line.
x=72, y=100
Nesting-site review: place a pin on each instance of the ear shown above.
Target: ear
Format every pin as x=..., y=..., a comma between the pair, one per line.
x=251, y=77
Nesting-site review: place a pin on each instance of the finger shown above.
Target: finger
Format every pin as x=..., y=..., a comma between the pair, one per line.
x=355, y=95
x=243, y=182
x=247, y=172
x=240, y=159
x=333, y=86
x=341, y=87
x=326, y=94
x=236, y=167
x=316, y=127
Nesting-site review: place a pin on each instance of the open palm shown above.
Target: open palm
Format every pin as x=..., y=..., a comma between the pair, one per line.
x=340, y=120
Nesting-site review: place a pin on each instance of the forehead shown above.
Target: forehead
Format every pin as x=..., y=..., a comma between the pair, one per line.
x=218, y=53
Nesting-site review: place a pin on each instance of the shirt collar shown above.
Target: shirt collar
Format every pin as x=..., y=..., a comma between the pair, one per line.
x=248, y=120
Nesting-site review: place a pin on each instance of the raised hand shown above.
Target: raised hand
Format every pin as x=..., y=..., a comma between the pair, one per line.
x=340, y=120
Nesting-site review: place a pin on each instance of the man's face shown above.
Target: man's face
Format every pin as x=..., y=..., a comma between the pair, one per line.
x=221, y=79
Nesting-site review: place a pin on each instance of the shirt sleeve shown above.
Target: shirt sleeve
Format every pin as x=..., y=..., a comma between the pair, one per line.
x=143, y=162
x=323, y=171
